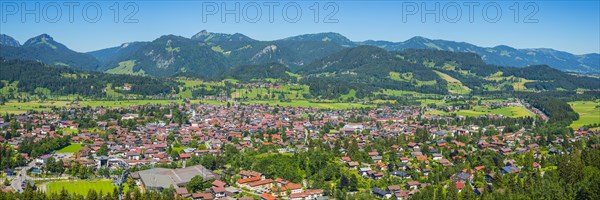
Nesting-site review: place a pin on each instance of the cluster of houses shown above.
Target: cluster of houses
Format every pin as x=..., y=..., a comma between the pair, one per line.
x=271, y=189
x=244, y=127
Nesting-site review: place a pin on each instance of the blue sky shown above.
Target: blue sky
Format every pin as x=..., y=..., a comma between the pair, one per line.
x=571, y=26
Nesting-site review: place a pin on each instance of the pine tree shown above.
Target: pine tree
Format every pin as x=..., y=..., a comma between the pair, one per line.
x=452, y=192
x=467, y=192
x=6, y=182
x=92, y=195
x=439, y=193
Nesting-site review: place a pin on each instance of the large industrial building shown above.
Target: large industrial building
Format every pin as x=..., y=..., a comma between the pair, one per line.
x=161, y=178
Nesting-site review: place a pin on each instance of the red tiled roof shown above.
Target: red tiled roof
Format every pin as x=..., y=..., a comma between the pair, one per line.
x=261, y=182
x=247, y=180
x=267, y=196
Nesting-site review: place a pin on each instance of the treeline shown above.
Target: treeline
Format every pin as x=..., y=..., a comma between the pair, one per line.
x=33, y=76
x=558, y=110
x=43, y=146
x=9, y=159
x=550, y=78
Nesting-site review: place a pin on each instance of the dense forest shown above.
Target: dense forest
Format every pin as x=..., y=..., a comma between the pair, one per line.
x=558, y=110
x=248, y=73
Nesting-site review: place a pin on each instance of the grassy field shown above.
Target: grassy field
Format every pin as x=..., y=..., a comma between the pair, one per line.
x=70, y=149
x=511, y=111
x=126, y=67
x=81, y=187
x=23, y=107
x=589, y=113
x=454, y=85
x=351, y=94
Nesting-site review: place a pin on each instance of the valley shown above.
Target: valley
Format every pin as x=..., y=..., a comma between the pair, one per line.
x=314, y=116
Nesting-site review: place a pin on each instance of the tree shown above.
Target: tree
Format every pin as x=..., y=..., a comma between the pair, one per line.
x=467, y=193
x=6, y=182
x=343, y=182
x=452, y=192
x=103, y=151
x=174, y=154
x=195, y=184
x=353, y=183
x=570, y=167
x=439, y=193
x=92, y=195
x=137, y=195
x=209, y=161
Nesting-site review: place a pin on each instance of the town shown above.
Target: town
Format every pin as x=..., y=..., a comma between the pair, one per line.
x=257, y=151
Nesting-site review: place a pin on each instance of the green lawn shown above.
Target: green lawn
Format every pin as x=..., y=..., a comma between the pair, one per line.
x=82, y=186
x=589, y=113
x=70, y=149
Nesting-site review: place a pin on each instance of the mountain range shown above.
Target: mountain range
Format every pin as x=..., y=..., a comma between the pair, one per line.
x=211, y=54
x=44, y=48
x=332, y=66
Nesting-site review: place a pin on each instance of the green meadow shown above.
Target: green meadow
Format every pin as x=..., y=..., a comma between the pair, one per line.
x=589, y=113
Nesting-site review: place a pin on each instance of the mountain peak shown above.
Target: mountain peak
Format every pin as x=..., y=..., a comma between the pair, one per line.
x=8, y=41
x=325, y=37
x=203, y=32
x=418, y=39
x=206, y=36
x=41, y=39
x=44, y=36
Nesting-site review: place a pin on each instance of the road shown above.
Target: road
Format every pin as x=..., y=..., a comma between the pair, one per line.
x=16, y=183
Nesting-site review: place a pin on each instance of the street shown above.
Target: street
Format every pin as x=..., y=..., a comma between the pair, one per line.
x=16, y=182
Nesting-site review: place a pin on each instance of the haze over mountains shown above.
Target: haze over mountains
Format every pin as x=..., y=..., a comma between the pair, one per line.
x=211, y=54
